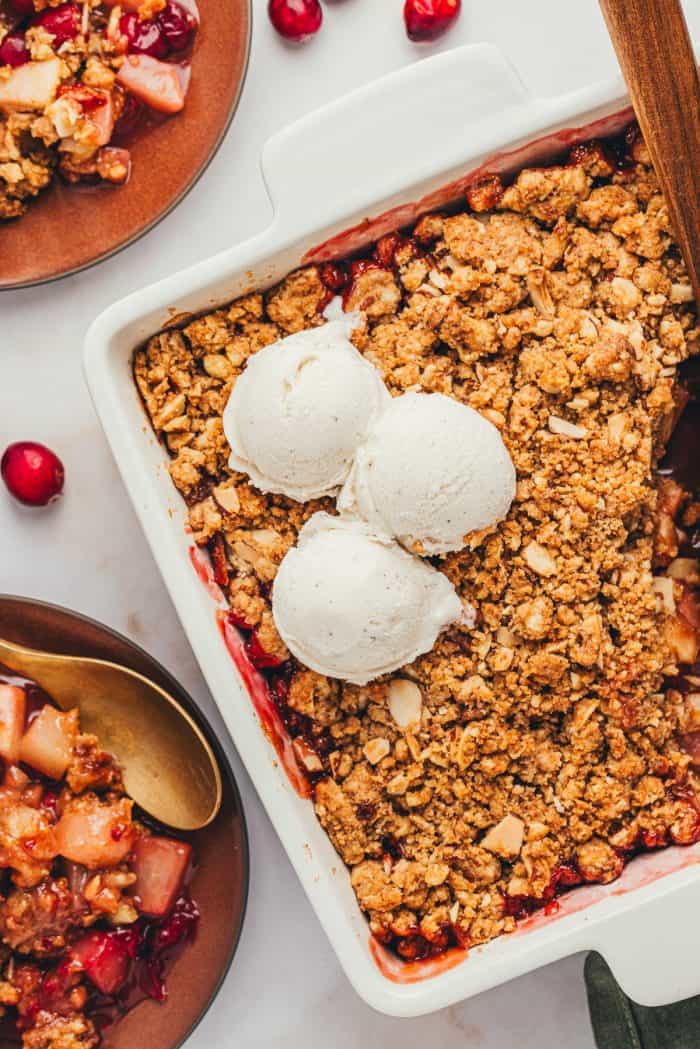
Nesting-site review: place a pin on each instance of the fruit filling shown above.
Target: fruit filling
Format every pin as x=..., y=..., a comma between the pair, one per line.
x=94, y=900
x=553, y=738
x=78, y=80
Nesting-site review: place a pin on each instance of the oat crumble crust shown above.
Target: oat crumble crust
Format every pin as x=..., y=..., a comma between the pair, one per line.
x=546, y=749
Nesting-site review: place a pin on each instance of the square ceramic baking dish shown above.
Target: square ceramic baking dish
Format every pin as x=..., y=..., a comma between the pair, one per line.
x=364, y=165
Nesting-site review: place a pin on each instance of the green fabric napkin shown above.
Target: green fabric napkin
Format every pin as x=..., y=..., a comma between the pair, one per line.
x=619, y=1023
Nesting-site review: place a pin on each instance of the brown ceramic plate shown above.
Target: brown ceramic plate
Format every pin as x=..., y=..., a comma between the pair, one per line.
x=220, y=884
x=69, y=227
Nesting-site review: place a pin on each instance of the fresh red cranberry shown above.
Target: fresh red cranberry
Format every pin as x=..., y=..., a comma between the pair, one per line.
x=22, y=7
x=13, y=50
x=144, y=37
x=177, y=25
x=428, y=19
x=62, y=22
x=295, y=19
x=32, y=473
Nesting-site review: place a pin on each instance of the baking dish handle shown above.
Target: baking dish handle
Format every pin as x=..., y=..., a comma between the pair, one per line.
x=392, y=128
x=652, y=948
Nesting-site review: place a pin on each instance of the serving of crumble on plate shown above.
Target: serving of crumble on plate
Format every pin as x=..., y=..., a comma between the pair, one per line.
x=76, y=80
x=95, y=906
x=545, y=746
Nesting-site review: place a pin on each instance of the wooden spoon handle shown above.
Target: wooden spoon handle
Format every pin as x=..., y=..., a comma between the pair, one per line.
x=653, y=46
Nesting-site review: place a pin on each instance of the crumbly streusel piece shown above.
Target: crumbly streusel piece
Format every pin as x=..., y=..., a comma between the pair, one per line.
x=540, y=752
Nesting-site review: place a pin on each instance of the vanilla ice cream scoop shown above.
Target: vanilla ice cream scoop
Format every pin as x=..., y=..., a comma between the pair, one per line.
x=352, y=605
x=431, y=471
x=300, y=409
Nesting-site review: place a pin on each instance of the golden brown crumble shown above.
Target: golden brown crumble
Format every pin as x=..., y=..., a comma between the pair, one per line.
x=541, y=748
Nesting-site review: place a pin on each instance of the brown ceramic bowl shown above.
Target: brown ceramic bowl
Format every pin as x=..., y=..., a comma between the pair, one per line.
x=70, y=227
x=220, y=884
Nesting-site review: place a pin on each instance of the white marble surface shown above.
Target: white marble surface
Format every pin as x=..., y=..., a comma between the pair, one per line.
x=285, y=988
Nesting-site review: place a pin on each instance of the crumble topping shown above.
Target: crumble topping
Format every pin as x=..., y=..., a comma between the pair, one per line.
x=541, y=748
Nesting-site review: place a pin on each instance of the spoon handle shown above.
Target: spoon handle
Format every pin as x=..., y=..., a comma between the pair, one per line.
x=41, y=667
x=656, y=56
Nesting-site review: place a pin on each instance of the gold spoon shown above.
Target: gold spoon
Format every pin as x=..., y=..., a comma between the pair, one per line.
x=169, y=769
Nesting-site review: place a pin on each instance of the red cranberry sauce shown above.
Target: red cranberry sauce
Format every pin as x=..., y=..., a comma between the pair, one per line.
x=153, y=947
x=170, y=33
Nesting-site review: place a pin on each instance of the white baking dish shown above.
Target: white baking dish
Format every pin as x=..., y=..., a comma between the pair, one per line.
x=386, y=146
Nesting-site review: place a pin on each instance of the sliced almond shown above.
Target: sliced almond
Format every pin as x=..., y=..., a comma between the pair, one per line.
x=583, y=712
x=258, y=551
x=227, y=499
x=267, y=538
x=246, y=552
x=539, y=559
x=217, y=365
x=438, y=279
x=505, y=637
x=405, y=702
x=565, y=428
x=506, y=838
x=307, y=755
x=617, y=426
x=681, y=293
x=501, y=658
x=413, y=746
x=436, y=874
x=170, y=410
x=539, y=292
x=663, y=587
x=376, y=749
